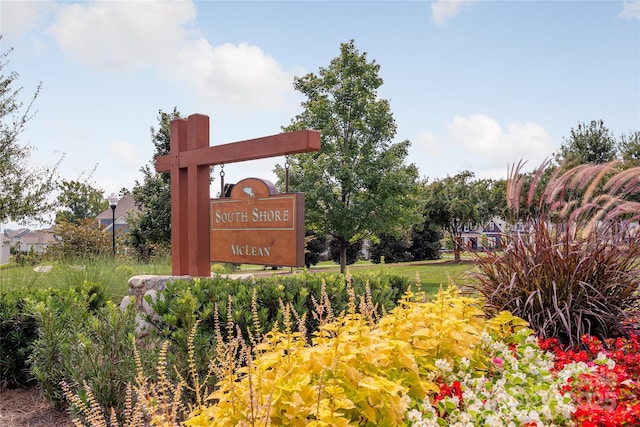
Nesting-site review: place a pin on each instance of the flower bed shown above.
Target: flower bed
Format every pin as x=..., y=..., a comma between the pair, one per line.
x=538, y=383
x=431, y=364
x=606, y=389
x=517, y=387
x=424, y=364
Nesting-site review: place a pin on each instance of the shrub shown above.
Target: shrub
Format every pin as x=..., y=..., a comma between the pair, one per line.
x=182, y=304
x=18, y=330
x=574, y=270
x=20, y=327
x=80, y=241
x=314, y=248
x=82, y=337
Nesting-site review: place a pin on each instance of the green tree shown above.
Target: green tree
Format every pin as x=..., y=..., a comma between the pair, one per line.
x=358, y=185
x=629, y=146
x=425, y=242
x=150, y=230
x=314, y=247
x=455, y=202
x=23, y=188
x=79, y=201
x=420, y=243
x=393, y=249
x=592, y=143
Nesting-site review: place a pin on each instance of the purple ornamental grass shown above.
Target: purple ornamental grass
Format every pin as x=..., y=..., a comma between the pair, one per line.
x=575, y=267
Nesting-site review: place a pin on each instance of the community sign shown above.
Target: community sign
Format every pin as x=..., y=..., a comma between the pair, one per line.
x=258, y=225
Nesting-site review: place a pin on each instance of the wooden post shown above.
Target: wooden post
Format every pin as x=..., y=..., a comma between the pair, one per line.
x=188, y=162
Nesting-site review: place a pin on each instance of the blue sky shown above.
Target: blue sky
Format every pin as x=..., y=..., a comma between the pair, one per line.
x=474, y=85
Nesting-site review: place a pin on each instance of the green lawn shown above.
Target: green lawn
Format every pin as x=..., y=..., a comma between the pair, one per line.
x=433, y=274
x=114, y=274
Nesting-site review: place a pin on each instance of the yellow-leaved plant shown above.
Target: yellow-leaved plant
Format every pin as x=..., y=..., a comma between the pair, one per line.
x=357, y=370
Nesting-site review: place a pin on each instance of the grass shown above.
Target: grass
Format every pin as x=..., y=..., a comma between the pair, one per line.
x=114, y=274
x=433, y=274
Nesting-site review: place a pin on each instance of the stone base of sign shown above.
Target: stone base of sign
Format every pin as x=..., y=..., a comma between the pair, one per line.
x=143, y=286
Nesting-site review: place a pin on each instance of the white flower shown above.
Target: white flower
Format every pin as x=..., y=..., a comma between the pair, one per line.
x=443, y=365
x=534, y=416
x=455, y=400
x=602, y=359
x=414, y=416
x=464, y=363
x=493, y=421
x=406, y=400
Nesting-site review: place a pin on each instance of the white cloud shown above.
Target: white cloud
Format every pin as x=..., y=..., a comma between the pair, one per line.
x=123, y=35
x=127, y=154
x=630, y=10
x=20, y=17
x=240, y=77
x=482, y=145
x=490, y=146
x=442, y=10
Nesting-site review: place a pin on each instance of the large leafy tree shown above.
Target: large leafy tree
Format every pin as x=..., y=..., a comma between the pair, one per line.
x=78, y=201
x=23, y=188
x=392, y=249
x=454, y=202
x=425, y=242
x=150, y=230
x=358, y=185
x=588, y=143
x=595, y=144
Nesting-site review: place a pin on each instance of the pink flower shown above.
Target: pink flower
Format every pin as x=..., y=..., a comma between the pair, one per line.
x=498, y=362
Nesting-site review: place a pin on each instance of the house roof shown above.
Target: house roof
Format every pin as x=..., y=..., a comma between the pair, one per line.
x=126, y=204
x=38, y=237
x=14, y=234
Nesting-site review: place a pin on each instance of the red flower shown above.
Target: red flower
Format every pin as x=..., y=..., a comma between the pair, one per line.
x=606, y=396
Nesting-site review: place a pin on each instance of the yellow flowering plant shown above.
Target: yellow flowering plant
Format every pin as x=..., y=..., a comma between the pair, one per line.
x=356, y=370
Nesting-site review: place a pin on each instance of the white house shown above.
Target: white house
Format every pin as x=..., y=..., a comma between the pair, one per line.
x=26, y=240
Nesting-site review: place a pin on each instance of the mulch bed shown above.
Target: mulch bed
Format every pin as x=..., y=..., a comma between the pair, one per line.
x=28, y=408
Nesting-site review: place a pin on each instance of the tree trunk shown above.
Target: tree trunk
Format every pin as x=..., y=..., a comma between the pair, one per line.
x=343, y=256
x=457, y=247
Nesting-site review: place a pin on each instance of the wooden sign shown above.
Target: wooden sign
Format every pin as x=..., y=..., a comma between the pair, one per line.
x=189, y=161
x=258, y=225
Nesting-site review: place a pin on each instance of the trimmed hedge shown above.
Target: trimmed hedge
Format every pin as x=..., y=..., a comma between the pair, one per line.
x=182, y=303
